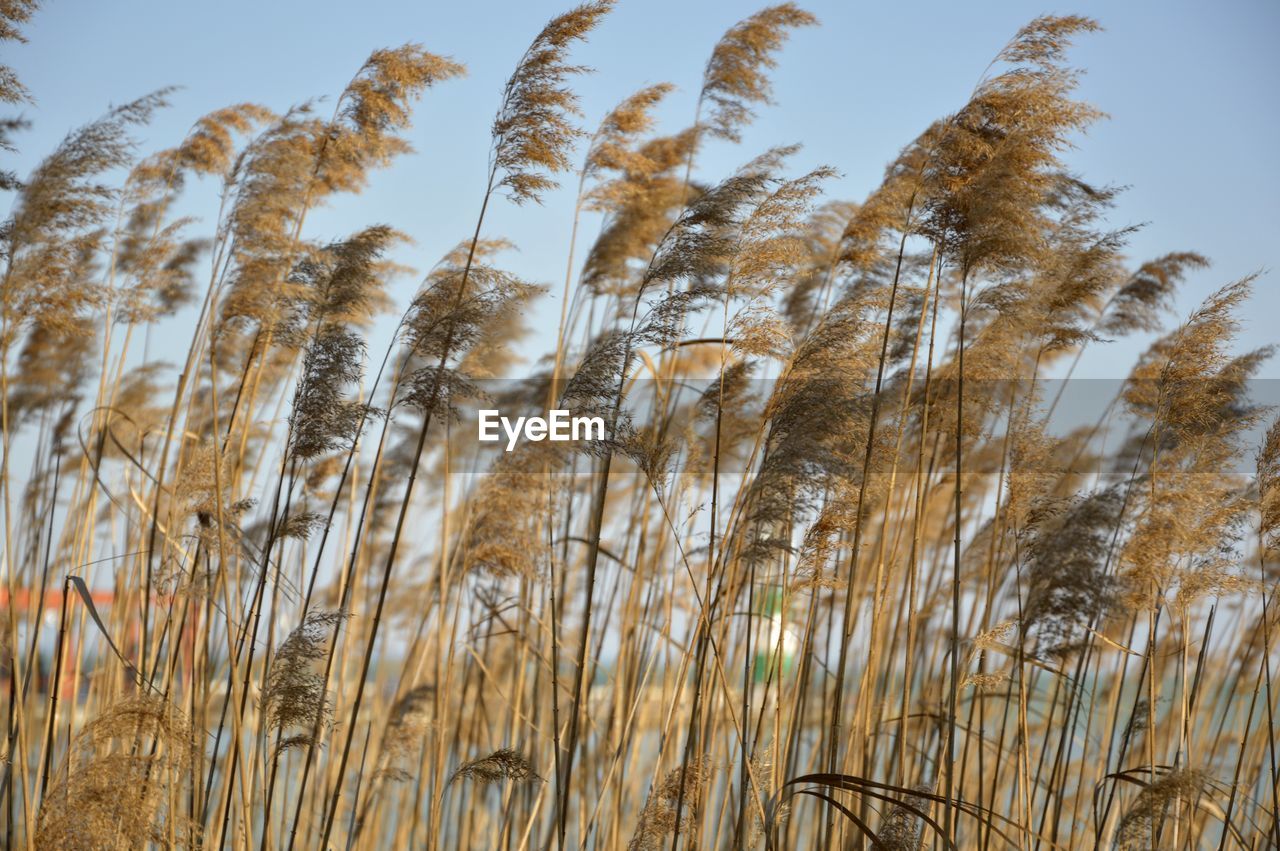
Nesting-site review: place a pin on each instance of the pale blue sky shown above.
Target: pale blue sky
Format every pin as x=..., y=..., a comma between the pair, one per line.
x=1190, y=87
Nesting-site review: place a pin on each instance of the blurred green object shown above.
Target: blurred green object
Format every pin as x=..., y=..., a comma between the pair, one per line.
x=779, y=648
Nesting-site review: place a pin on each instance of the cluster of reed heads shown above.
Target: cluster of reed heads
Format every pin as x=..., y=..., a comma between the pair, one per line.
x=832, y=579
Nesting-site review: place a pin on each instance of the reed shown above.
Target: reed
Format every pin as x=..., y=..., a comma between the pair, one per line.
x=835, y=576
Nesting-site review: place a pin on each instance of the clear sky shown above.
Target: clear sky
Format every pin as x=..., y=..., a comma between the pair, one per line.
x=1191, y=89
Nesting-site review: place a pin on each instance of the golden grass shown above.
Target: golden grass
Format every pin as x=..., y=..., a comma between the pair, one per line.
x=833, y=579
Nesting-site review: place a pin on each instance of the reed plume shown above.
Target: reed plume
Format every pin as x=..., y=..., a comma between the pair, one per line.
x=736, y=79
x=113, y=796
x=533, y=131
